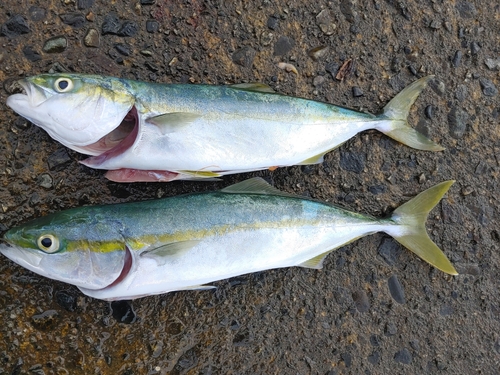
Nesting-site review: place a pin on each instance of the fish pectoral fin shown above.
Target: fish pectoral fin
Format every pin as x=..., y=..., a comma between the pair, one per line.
x=316, y=159
x=171, y=122
x=170, y=251
x=200, y=175
x=253, y=86
x=316, y=262
x=255, y=185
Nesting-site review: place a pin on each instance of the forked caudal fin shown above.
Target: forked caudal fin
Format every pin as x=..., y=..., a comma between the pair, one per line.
x=411, y=232
x=396, y=112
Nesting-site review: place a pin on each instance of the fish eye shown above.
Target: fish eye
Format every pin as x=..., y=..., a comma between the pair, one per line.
x=48, y=243
x=63, y=85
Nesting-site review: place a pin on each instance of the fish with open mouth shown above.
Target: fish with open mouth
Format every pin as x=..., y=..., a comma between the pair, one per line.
x=142, y=131
x=131, y=250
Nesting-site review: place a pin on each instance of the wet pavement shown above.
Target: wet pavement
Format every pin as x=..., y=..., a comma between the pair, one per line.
x=375, y=308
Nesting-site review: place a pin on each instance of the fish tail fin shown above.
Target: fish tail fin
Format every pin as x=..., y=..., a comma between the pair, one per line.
x=395, y=114
x=411, y=233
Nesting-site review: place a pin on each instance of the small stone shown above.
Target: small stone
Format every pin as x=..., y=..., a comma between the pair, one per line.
x=415, y=344
x=90, y=17
x=45, y=180
x=147, y=2
x=390, y=329
x=403, y=356
x=325, y=22
x=492, y=64
x=58, y=159
x=244, y=56
x=488, y=87
x=457, y=122
x=332, y=68
x=435, y=25
x=272, y=22
x=466, y=9
x=16, y=25
x=266, y=38
x=389, y=250
x=55, y=45
x=92, y=39
x=152, y=26
x=347, y=358
x=75, y=19
x=45, y=319
x=396, y=289
x=461, y=93
x=123, y=311
x=474, y=48
x=357, y=92
x=84, y=4
x=375, y=340
x=66, y=300
x=429, y=112
x=31, y=54
x=353, y=162
x=283, y=46
x=317, y=53
x=151, y=66
x=37, y=13
x=456, y=59
x=111, y=24
x=377, y=189
x=361, y=301
x=123, y=49
x=128, y=28
x=446, y=310
x=318, y=81
x=374, y=358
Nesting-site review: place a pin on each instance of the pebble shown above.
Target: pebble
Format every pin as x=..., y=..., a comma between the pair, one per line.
x=347, y=358
x=16, y=25
x=475, y=48
x=375, y=340
x=123, y=49
x=123, y=311
x=466, y=9
x=92, y=39
x=457, y=122
x=45, y=180
x=461, y=93
x=374, y=358
x=111, y=24
x=84, y=4
x=492, y=64
x=58, y=159
x=456, y=59
x=325, y=22
x=317, y=53
x=318, y=81
x=66, y=300
x=266, y=38
x=152, y=26
x=446, y=310
x=353, y=162
x=37, y=13
x=377, y=189
x=390, y=329
x=403, y=356
x=488, y=87
x=128, y=28
x=74, y=19
x=283, y=46
x=31, y=54
x=147, y=2
x=357, y=92
x=244, y=56
x=396, y=289
x=361, y=301
x=389, y=250
x=55, y=45
x=45, y=319
x=332, y=68
x=272, y=22
x=429, y=112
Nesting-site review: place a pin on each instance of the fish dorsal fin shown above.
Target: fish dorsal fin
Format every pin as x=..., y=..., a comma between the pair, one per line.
x=255, y=185
x=257, y=87
x=316, y=262
x=164, y=253
x=171, y=122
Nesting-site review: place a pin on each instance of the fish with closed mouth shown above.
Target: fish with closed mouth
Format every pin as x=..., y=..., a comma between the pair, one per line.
x=142, y=131
x=131, y=250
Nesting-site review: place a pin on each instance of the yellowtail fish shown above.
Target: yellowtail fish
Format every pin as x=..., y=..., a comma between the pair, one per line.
x=131, y=250
x=162, y=132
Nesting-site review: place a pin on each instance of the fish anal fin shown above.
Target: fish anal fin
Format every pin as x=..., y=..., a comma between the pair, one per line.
x=162, y=254
x=198, y=287
x=253, y=86
x=171, y=122
x=201, y=175
x=316, y=159
x=255, y=185
x=316, y=262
